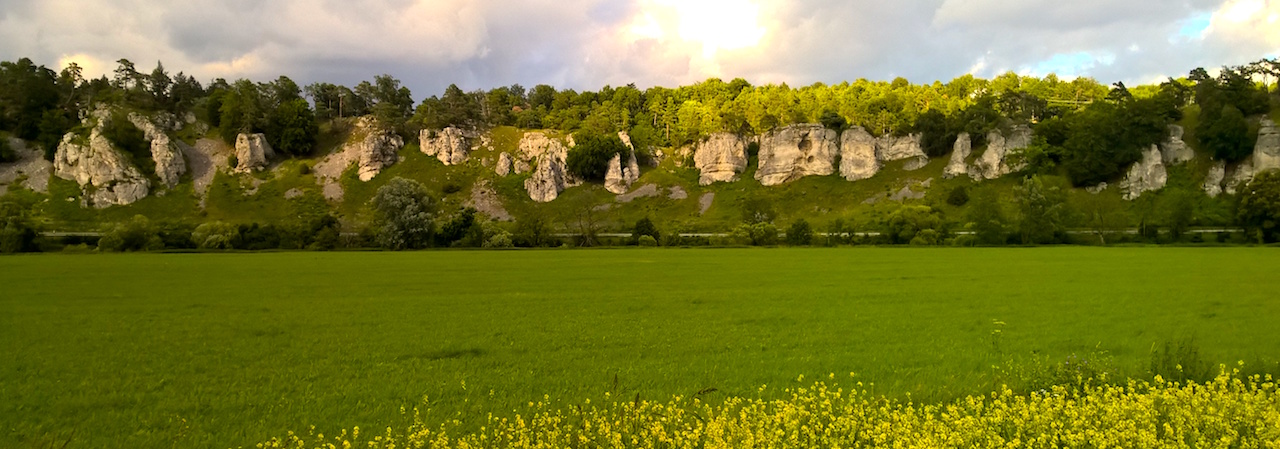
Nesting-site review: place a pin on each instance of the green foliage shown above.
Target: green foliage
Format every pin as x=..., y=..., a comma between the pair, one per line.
x=405, y=214
x=1042, y=211
x=17, y=232
x=645, y=227
x=986, y=221
x=6, y=151
x=909, y=221
x=1179, y=208
x=1226, y=134
x=959, y=196
x=647, y=240
x=755, y=234
x=1258, y=208
x=800, y=233
x=1180, y=361
x=937, y=137
x=137, y=234
x=589, y=158
x=216, y=235
x=463, y=230
x=758, y=209
x=292, y=128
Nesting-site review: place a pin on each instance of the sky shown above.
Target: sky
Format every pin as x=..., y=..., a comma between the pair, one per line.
x=587, y=44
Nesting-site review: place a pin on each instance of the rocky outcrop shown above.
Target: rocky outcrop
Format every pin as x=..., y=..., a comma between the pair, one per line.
x=796, y=151
x=1266, y=156
x=505, y=167
x=106, y=175
x=858, y=158
x=1174, y=150
x=166, y=153
x=896, y=148
x=994, y=162
x=550, y=175
x=1213, y=182
x=377, y=150
x=448, y=145
x=30, y=168
x=252, y=152
x=1146, y=175
x=720, y=158
x=619, y=177
x=959, y=154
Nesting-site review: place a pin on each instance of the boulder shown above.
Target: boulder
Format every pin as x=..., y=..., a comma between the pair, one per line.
x=551, y=176
x=1146, y=175
x=720, y=158
x=1213, y=182
x=1266, y=156
x=106, y=175
x=858, y=155
x=994, y=162
x=252, y=152
x=896, y=148
x=1174, y=150
x=959, y=153
x=378, y=150
x=505, y=166
x=167, y=154
x=796, y=151
x=618, y=178
x=448, y=145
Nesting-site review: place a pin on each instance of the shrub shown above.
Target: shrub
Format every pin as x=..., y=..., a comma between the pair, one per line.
x=959, y=196
x=647, y=240
x=1259, y=206
x=644, y=227
x=17, y=233
x=404, y=214
x=137, y=234
x=304, y=169
x=216, y=235
x=589, y=158
x=6, y=151
x=757, y=234
x=800, y=233
x=451, y=188
x=499, y=240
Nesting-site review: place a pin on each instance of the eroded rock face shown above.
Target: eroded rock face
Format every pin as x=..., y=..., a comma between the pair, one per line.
x=550, y=175
x=166, y=153
x=252, y=152
x=1174, y=150
x=896, y=148
x=858, y=158
x=377, y=150
x=448, y=145
x=1146, y=175
x=1213, y=182
x=618, y=178
x=106, y=175
x=994, y=162
x=959, y=153
x=1266, y=156
x=720, y=158
x=505, y=166
x=796, y=151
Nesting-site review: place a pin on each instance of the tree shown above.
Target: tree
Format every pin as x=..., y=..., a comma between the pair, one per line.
x=533, y=231
x=243, y=110
x=589, y=158
x=937, y=138
x=1227, y=135
x=1258, y=207
x=137, y=234
x=292, y=128
x=1042, y=211
x=908, y=221
x=985, y=219
x=405, y=215
x=158, y=85
x=1104, y=214
x=645, y=227
x=1179, y=207
x=17, y=232
x=800, y=233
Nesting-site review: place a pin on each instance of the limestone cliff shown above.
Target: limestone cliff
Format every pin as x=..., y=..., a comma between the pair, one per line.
x=796, y=151
x=106, y=176
x=252, y=152
x=166, y=153
x=858, y=155
x=449, y=145
x=720, y=158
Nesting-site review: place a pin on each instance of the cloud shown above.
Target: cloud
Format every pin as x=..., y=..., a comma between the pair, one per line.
x=585, y=44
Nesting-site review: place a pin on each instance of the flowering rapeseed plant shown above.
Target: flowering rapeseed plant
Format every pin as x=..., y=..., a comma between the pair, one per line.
x=1228, y=411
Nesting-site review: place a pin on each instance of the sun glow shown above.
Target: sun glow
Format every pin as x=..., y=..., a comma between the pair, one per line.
x=714, y=24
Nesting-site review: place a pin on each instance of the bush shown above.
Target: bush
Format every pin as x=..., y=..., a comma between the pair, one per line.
x=647, y=240
x=589, y=158
x=216, y=235
x=758, y=234
x=1258, y=208
x=137, y=234
x=644, y=227
x=451, y=188
x=304, y=169
x=404, y=214
x=17, y=233
x=959, y=196
x=499, y=240
x=6, y=151
x=800, y=233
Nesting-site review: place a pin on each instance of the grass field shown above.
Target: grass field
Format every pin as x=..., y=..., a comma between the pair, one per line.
x=224, y=350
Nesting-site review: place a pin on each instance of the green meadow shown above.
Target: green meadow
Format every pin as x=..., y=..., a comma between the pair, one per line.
x=226, y=350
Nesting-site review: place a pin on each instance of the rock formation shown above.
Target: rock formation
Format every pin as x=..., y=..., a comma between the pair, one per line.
x=505, y=166
x=252, y=152
x=959, y=153
x=994, y=162
x=896, y=148
x=166, y=153
x=796, y=151
x=720, y=158
x=30, y=167
x=1174, y=150
x=1266, y=156
x=448, y=145
x=858, y=158
x=618, y=178
x=1213, y=182
x=1146, y=175
x=377, y=151
x=106, y=175
x=550, y=177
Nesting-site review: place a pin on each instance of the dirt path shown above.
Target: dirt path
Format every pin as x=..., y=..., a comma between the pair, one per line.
x=204, y=160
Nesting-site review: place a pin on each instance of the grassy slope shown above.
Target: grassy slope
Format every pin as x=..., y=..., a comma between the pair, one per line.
x=121, y=349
